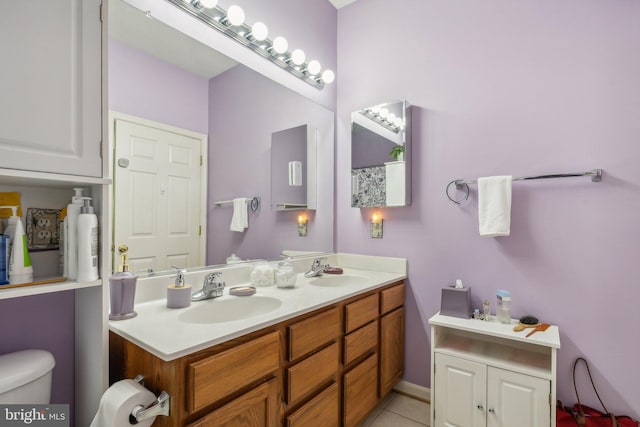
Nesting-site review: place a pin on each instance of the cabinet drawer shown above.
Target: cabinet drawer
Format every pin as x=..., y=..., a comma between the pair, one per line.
x=321, y=411
x=360, y=312
x=305, y=376
x=360, y=391
x=215, y=377
x=310, y=334
x=391, y=298
x=256, y=408
x=359, y=342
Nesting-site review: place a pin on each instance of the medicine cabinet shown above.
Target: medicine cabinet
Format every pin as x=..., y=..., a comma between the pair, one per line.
x=293, y=168
x=381, y=155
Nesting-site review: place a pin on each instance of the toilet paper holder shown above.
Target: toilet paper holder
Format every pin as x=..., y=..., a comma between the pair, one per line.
x=161, y=406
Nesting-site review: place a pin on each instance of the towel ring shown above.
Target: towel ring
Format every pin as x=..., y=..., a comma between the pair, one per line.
x=254, y=204
x=458, y=186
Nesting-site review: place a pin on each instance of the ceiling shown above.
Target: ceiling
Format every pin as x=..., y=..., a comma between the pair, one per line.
x=341, y=3
x=132, y=27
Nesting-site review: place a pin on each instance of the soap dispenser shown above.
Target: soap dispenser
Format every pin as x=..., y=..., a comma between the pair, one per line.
x=122, y=287
x=179, y=294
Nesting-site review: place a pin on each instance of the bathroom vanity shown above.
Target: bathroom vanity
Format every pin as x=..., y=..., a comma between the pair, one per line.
x=485, y=374
x=326, y=356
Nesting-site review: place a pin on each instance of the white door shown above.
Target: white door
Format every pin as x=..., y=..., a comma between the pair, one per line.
x=460, y=392
x=157, y=197
x=50, y=86
x=517, y=400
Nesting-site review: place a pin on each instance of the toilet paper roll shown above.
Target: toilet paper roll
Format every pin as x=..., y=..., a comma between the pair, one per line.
x=117, y=403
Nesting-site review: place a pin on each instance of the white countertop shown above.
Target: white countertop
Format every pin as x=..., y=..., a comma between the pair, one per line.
x=158, y=329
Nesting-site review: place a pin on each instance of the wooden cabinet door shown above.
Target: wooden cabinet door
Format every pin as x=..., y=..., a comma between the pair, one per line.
x=359, y=391
x=517, y=400
x=257, y=408
x=51, y=86
x=460, y=392
x=391, y=350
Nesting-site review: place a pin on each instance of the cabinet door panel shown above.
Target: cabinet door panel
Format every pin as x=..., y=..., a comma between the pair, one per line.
x=517, y=400
x=359, y=393
x=460, y=392
x=322, y=411
x=50, y=81
x=391, y=349
x=257, y=408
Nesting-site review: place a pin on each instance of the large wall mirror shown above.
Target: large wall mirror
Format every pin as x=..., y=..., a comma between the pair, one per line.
x=161, y=75
x=381, y=155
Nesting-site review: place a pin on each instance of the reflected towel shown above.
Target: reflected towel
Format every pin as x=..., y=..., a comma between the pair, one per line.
x=494, y=206
x=239, y=220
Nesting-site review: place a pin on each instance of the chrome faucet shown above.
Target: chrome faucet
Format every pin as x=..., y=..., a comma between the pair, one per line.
x=316, y=268
x=211, y=288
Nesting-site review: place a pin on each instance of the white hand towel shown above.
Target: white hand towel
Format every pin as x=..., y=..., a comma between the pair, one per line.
x=494, y=206
x=239, y=220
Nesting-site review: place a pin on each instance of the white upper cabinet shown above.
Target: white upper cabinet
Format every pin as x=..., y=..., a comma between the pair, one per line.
x=51, y=81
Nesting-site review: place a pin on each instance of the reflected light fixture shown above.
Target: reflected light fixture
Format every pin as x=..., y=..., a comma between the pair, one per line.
x=382, y=116
x=231, y=23
x=376, y=226
x=302, y=225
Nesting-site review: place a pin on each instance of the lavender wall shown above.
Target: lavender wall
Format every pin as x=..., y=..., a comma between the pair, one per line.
x=146, y=87
x=510, y=87
x=36, y=322
x=245, y=109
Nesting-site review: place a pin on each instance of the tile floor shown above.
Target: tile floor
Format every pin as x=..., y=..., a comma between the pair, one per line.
x=398, y=410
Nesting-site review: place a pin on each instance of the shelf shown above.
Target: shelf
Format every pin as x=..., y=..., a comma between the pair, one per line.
x=45, y=179
x=28, y=290
x=496, y=354
x=548, y=338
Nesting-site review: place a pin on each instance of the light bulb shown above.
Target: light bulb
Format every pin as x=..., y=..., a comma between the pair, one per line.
x=298, y=56
x=384, y=113
x=235, y=14
x=209, y=4
x=328, y=76
x=259, y=31
x=391, y=117
x=314, y=67
x=280, y=44
x=376, y=109
x=398, y=122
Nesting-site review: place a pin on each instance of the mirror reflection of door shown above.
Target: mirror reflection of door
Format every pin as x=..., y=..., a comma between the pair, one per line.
x=158, y=195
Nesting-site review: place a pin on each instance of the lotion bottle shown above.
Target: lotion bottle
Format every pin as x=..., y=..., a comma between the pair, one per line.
x=122, y=289
x=179, y=294
x=87, y=243
x=20, y=269
x=71, y=232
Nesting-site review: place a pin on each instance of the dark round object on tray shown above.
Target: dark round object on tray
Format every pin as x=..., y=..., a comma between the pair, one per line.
x=529, y=320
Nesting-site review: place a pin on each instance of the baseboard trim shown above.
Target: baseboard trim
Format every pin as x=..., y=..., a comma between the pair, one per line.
x=413, y=390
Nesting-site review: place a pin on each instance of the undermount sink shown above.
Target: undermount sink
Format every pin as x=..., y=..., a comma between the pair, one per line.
x=227, y=310
x=339, y=280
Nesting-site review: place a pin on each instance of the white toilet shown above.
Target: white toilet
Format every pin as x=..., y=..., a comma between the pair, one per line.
x=25, y=377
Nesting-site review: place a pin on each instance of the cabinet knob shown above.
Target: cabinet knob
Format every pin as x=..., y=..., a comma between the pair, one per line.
x=480, y=407
x=492, y=411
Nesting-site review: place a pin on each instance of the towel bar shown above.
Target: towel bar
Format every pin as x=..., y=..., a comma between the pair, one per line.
x=595, y=174
x=254, y=204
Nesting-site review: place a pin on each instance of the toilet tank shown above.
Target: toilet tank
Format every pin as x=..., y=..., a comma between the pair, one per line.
x=25, y=377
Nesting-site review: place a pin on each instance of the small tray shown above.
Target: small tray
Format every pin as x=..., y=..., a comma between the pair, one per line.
x=242, y=291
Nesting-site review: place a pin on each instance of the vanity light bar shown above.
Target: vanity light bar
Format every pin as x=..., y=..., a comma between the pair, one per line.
x=222, y=20
x=393, y=126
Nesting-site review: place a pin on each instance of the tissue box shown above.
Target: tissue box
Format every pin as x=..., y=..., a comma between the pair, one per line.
x=456, y=302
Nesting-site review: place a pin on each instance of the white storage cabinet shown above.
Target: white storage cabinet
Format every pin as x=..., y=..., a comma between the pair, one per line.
x=484, y=374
